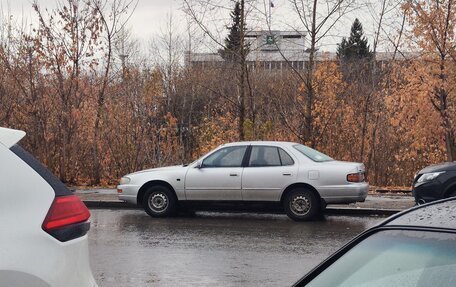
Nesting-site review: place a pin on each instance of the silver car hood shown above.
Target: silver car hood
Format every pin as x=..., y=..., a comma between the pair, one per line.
x=166, y=168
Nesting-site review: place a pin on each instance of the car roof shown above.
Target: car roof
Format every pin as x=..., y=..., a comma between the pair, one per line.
x=9, y=137
x=259, y=143
x=437, y=214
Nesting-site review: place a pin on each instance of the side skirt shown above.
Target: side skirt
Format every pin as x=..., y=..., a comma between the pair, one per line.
x=224, y=205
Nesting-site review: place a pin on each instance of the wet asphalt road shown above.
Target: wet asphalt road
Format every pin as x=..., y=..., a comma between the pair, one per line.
x=128, y=248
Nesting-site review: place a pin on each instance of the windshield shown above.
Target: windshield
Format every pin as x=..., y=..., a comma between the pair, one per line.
x=311, y=153
x=395, y=258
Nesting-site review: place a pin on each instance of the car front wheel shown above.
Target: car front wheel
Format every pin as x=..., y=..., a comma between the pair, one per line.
x=159, y=201
x=301, y=204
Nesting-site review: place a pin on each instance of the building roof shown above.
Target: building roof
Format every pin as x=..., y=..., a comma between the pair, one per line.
x=276, y=32
x=261, y=56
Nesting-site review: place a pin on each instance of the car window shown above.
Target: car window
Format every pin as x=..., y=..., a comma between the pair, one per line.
x=59, y=188
x=226, y=157
x=311, y=153
x=264, y=156
x=285, y=158
x=395, y=258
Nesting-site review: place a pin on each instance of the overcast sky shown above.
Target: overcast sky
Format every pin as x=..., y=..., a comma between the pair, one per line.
x=145, y=22
x=150, y=16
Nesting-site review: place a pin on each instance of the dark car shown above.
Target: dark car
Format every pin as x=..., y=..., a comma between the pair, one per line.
x=435, y=182
x=416, y=248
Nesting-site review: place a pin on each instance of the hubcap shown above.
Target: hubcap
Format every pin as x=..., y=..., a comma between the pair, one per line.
x=300, y=205
x=158, y=202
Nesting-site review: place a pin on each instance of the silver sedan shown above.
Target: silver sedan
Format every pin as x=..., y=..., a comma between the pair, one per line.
x=285, y=175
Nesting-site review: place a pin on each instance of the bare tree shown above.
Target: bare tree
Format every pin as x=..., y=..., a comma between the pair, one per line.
x=67, y=39
x=383, y=14
x=318, y=18
x=168, y=49
x=113, y=16
x=434, y=22
x=202, y=13
x=6, y=39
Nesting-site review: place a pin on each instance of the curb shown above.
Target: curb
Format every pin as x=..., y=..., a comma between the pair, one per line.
x=329, y=210
x=108, y=204
x=360, y=211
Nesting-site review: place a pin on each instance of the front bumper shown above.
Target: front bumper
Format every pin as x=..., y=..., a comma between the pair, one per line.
x=427, y=192
x=128, y=193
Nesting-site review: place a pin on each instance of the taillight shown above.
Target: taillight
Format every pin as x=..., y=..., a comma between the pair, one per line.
x=356, y=177
x=67, y=218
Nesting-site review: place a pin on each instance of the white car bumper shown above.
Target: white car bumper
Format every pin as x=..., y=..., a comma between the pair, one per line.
x=350, y=193
x=60, y=263
x=128, y=193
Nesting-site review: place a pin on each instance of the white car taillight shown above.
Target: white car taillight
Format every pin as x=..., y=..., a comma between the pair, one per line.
x=356, y=177
x=67, y=218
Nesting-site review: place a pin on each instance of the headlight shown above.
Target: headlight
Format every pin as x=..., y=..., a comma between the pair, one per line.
x=428, y=177
x=124, y=180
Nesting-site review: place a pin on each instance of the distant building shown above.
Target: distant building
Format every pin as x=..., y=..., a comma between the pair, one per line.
x=268, y=51
x=275, y=51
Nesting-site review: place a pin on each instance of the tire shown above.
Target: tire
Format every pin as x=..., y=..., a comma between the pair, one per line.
x=159, y=201
x=301, y=204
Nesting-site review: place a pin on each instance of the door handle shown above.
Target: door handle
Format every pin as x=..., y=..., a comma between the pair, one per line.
x=233, y=174
x=287, y=173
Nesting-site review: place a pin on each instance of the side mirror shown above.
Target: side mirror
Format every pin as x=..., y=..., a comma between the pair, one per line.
x=199, y=164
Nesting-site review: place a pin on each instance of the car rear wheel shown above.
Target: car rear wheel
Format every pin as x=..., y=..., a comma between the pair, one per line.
x=301, y=204
x=159, y=201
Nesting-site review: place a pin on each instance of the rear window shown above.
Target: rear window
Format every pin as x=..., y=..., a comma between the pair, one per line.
x=312, y=154
x=59, y=188
x=285, y=158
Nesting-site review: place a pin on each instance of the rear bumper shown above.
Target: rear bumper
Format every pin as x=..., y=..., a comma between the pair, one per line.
x=350, y=193
x=17, y=278
x=61, y=263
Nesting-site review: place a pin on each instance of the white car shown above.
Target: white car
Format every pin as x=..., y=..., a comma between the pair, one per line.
x=288, y=175
x=44, y=227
